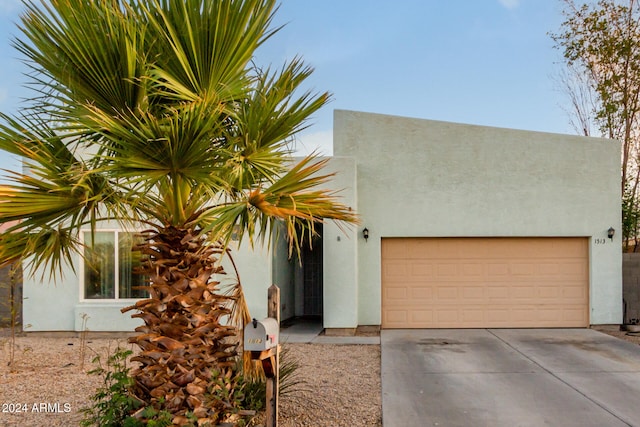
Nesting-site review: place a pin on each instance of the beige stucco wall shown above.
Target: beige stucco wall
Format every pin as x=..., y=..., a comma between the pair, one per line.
x=426, y=178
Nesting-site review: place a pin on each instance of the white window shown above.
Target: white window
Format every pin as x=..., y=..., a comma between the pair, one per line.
x=107, y=267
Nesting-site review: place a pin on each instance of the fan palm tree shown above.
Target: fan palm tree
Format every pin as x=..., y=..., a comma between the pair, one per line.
x=152, y=113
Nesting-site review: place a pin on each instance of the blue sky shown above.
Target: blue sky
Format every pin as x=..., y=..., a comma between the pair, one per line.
x=486, y=62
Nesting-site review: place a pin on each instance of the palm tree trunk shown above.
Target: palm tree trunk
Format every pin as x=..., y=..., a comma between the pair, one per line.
x=185, y=336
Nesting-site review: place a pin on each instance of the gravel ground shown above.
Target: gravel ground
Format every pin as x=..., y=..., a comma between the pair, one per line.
x=48, y=383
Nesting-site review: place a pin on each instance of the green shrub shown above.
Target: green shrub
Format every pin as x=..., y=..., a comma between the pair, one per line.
x=256, y=390
x=232, y=395
x=112, y=402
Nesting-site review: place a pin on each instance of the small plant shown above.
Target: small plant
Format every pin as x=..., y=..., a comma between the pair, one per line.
x=289, y=380
x=255, y=394
x=153, y=417
x=113, y=402
x=83, y=339
x=13, y=305
x=255, y=389
x=227, y=394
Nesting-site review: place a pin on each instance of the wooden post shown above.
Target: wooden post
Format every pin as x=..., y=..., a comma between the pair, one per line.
x=273, y=383
x=273, y=307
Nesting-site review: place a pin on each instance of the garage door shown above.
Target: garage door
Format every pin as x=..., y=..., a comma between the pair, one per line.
x=485, y=282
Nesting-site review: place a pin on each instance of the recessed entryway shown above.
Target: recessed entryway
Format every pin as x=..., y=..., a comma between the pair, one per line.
x=310, y=290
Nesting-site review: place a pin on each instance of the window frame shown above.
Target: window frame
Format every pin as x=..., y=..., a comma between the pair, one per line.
x=81, y=271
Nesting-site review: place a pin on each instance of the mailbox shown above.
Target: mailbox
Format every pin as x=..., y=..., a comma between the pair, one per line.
x=261, y=335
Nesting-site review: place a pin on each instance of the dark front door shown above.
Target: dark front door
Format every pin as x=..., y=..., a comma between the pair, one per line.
x=312, y=276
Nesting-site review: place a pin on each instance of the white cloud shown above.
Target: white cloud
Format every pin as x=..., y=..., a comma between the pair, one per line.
x=318, y=142
x=510, y=4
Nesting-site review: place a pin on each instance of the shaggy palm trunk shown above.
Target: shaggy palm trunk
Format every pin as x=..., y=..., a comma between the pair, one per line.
x=185, y=336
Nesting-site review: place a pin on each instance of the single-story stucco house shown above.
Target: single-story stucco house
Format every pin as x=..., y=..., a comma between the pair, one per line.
x=462, y=226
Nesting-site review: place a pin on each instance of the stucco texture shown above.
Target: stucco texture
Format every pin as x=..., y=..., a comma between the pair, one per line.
x=423, y=178
x=415, y=178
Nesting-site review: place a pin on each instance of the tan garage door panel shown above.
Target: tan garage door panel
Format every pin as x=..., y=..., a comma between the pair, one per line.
x=485, y=282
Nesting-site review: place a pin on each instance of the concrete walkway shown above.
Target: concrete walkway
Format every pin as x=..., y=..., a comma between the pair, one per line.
x=310, y=332
x=509, y=377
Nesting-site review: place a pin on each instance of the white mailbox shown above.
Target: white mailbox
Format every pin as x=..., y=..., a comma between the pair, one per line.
x=261, y=335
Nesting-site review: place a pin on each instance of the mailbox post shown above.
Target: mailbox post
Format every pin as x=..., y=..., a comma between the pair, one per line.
x=261, y=338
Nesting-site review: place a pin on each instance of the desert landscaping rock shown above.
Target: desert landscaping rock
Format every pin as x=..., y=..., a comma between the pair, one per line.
x=47, y=385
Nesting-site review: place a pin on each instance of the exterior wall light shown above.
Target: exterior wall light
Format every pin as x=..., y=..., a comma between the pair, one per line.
x=611, y=232
x=365, y=234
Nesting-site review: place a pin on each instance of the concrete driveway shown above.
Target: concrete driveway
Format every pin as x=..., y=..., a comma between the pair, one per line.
x=509, y=377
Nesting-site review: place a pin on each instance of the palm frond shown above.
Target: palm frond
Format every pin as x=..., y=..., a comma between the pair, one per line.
x=144, y=146
x=272, y=114
x=50, y=247
x=294, y=200
x=101, y=41
x=205, y=47
x=265, y=124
